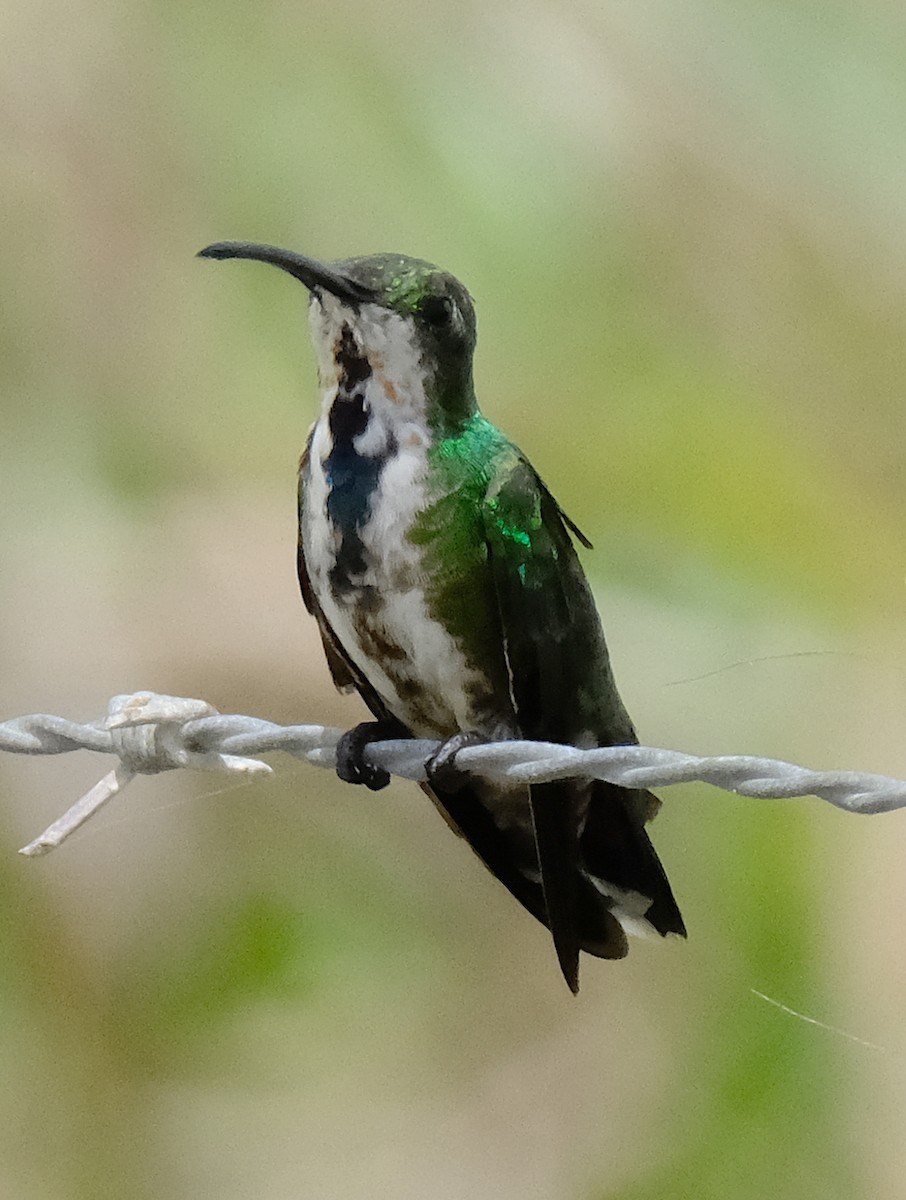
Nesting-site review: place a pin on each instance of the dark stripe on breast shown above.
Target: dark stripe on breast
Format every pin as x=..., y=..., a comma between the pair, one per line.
x=351, y=477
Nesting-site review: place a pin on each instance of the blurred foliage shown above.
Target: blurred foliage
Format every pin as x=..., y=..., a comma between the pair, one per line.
x=683, y=230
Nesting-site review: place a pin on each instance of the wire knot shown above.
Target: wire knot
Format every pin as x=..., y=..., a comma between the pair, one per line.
x=148, y=731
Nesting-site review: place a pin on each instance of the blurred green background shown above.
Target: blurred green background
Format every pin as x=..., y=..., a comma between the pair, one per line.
x=685, y=231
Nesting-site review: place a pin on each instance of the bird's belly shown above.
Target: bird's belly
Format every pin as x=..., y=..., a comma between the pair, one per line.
x=416, y=667
x=372, y=583
x=383, y=620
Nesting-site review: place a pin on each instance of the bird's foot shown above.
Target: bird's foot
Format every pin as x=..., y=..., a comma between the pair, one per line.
x=441, y=767
x=351, y=764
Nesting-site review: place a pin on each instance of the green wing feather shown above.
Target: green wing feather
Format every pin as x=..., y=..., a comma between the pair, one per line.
x=590, y=836
x=549, y=634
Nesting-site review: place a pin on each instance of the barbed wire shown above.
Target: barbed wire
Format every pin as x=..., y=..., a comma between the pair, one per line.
x=150, y=733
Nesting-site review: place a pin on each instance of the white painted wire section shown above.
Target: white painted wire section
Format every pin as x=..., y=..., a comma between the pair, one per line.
x=150, y=733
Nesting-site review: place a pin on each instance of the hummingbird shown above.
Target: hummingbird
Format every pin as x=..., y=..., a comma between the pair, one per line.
x=448, y=592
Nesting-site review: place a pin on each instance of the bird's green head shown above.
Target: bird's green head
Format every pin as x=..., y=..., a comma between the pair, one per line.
x=407, y=324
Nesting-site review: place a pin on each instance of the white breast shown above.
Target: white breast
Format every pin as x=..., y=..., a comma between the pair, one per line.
x=426, y=653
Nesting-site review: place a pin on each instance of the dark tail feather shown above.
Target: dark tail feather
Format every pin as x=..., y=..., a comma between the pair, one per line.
x=613, y=847
x=616, y=848
x=557, y=840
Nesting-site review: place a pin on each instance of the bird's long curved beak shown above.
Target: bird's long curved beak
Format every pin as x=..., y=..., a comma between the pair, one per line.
x=315, y=275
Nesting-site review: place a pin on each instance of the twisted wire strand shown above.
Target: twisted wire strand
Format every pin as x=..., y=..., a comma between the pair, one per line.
x=150, y=733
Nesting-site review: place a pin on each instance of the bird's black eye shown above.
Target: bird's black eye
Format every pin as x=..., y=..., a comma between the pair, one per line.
x=436, y=311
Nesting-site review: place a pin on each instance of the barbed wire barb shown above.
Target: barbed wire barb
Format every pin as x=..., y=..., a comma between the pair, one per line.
x=150, y=733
